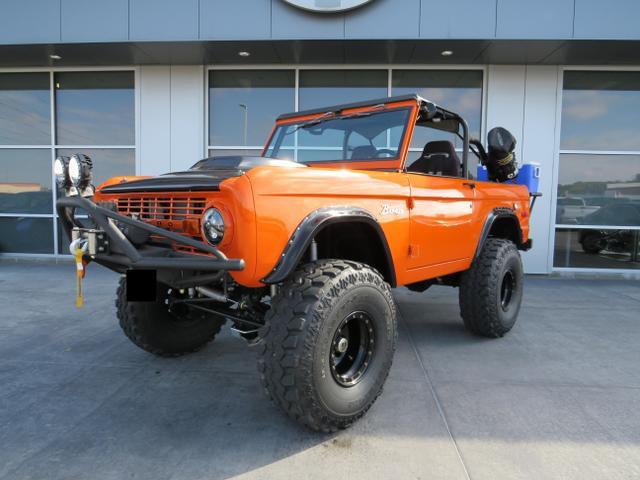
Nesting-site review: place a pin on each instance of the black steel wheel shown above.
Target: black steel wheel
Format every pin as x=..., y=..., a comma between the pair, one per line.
x=507, y=289
x=352, y=348
x=328, y=343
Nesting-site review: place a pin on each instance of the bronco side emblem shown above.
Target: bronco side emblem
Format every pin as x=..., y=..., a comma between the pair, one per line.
x=327, y=6
x=389, y=210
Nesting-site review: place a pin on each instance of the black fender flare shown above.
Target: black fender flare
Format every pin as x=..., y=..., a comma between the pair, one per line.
x=495, y=214
x=311, y=225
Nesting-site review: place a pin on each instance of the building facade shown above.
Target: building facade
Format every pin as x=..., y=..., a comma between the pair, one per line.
x=149, y=86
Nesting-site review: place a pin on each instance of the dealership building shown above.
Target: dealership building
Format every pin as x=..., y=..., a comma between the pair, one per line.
x=150, y=86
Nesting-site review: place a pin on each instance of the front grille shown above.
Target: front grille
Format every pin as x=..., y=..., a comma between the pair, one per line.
x=180, y=214
x=161, y=208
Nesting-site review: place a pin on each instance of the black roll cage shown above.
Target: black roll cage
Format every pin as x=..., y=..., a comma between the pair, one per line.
x=436, y=117
x=430, y=115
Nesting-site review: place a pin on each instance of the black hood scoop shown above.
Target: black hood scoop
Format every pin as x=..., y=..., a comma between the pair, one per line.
x=204, y=176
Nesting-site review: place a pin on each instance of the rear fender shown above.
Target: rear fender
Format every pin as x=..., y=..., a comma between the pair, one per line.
x=502, y=223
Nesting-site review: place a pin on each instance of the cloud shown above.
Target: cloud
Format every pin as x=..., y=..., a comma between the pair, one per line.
x=614, y=139
x=585, y=105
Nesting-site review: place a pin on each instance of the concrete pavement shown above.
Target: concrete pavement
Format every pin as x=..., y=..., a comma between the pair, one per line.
x=559, y=397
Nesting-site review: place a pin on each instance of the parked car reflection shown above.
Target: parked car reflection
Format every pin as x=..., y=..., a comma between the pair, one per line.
x=571, y=210
x=24, y=198
x=618, y=241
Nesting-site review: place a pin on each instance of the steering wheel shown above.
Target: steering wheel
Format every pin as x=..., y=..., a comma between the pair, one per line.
x=385, y=153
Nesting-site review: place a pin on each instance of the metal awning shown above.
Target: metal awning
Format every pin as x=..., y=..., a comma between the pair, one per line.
x=536, y=52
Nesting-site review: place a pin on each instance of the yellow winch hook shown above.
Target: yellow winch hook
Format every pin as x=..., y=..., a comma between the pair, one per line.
x=79, y=275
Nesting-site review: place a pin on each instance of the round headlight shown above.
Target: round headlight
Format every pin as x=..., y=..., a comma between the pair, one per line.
x=80, y=166
x=213, y=226
x=61, y=172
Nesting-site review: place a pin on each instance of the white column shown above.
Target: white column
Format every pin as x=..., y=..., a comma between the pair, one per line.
x=154, y=144
x=522, y=99
x=505, y=100
x=539, y=145
x=171, y=118
x=187, y=115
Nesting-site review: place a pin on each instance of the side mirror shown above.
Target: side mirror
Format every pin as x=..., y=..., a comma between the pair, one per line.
x=429, y=110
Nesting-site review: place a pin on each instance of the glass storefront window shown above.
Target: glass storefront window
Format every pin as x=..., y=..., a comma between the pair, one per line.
x=90, y=108
x=597, y=248
x=243, y=104
x=457, y=90
x=217, y=152
x=25, y=109
x=323, y=88
x=26, y=235
x=598, y=190
x=25, y=180
x=95, y=108
x=600, y=111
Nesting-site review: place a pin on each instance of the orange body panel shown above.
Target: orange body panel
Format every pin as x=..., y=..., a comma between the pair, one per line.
x=284, y=197
x=234, y=200
x=432, y=223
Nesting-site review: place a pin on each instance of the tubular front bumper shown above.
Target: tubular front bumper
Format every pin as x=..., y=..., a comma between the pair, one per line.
x=123, y=255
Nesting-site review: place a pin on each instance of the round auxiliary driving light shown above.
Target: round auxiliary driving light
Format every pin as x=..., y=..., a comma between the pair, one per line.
x=213, y=226
x=61, y=171
x=80, y=166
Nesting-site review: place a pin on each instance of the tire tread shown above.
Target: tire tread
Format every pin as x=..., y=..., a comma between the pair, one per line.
x=130, y=315
x=286, y=354
x=477, y=289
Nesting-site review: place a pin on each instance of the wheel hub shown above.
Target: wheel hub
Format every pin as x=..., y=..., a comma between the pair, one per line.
x=352, y=348
x=342, y=345
x=506, y=289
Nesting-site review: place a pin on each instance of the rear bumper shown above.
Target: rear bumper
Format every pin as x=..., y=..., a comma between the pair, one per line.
x=124, y=255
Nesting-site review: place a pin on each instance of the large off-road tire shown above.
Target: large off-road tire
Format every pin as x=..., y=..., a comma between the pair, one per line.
x=328, y=343
x=152, y=327
x=491, y=290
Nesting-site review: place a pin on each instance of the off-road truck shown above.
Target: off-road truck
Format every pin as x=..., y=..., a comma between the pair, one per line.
x=298, y=248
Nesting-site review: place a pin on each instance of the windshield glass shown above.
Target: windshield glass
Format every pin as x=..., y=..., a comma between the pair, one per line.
x=370, y=135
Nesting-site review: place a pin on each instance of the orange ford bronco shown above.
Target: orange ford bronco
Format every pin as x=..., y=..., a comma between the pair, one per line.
x=298, y=248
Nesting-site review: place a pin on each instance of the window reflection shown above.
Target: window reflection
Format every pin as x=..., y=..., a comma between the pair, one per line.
x=323, y=88
x=25, y=108
x=600, y=111
x=595, y=248
x=243, y=104
x=456, y=90
x=25, y=181
x=26, y=235
x=598, y=190
x=95, y=108
x=217, y=152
